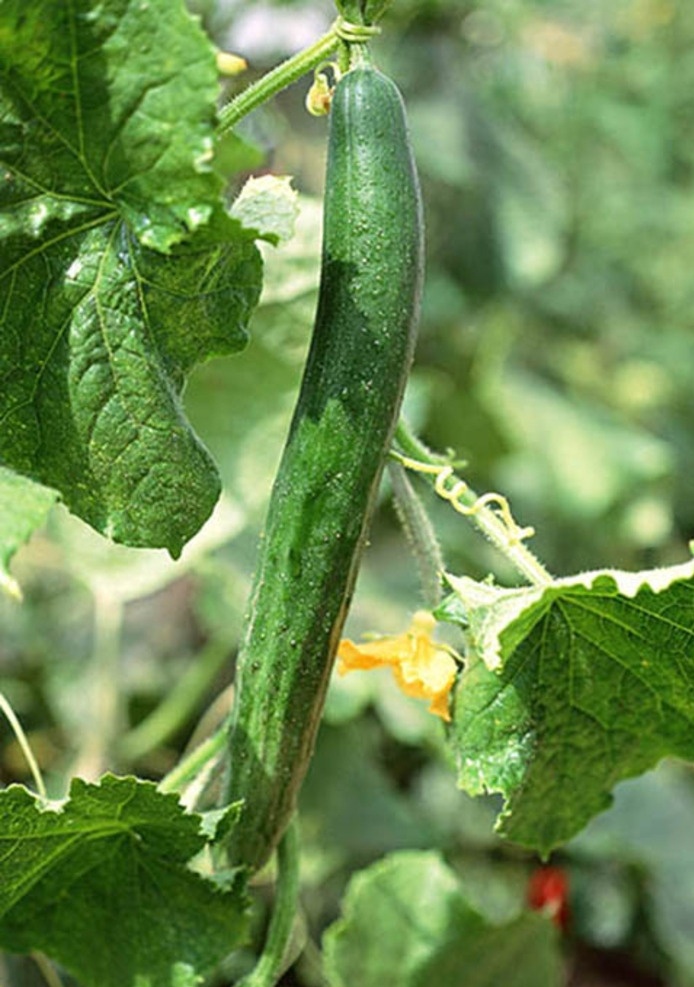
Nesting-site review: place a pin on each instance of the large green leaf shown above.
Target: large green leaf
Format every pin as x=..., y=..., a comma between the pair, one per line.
x=407, y=923
x=106, y=128
x=570, y=688
x=101, y=884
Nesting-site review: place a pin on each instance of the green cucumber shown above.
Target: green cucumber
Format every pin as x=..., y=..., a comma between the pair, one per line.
x=327, y=483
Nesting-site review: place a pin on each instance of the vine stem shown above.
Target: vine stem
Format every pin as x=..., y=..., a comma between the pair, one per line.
x=269, y=967
x=48, y=971
x=24, y=744
x=187, y=769
x=173, y=711
x=498, y=527
x=291, y=69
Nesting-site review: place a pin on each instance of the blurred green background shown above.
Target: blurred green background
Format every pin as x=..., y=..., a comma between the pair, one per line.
x=555, y=140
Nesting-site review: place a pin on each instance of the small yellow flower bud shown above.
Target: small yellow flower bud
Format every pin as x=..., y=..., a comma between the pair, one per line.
x=228, y=64
x=319, y=96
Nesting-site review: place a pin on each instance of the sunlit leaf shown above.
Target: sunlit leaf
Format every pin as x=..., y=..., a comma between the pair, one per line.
x=570, y=688
x=100, y=883
x=269, y=206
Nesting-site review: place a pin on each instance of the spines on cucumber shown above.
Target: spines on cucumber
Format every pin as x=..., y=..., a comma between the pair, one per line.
x=326, y=486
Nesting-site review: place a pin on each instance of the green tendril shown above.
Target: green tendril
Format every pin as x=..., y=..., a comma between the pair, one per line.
x=489, y=513
x=355, y=34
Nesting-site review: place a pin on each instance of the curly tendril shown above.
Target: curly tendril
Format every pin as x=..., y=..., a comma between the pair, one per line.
x=454, y=494
x=490, y=513
x=354, y=34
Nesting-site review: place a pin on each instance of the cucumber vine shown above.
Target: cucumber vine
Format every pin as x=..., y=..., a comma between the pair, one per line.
x=125, y=270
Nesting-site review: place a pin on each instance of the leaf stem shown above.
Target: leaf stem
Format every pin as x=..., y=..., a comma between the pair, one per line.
x=18, y=731
x=178, y=705
x=48, y=971
x=287, y=72
x=104, y=706
x=190, y=766
x=497, y=525
x=269, y=967
x=10, y=585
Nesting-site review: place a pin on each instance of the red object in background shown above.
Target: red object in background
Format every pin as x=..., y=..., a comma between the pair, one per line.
x=548, y=892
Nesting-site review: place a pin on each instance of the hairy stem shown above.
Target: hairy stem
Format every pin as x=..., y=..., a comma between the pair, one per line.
x=341, y=32
x=419, y=534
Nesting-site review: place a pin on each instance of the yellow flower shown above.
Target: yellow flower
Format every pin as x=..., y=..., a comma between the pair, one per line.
x=422, y=668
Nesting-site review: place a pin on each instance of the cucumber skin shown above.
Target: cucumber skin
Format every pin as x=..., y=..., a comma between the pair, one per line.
x=327, y=483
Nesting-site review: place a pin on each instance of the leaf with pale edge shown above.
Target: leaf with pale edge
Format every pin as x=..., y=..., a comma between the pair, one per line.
x=568, y=689
x=407, y=923
x=107, y=117
x=269, y=206
x=100, y=883
x=23, y=508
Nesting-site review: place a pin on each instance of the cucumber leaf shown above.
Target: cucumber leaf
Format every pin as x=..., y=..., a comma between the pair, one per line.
x=118, y=853
x=568, y=689
x=407, y=923
x=106, y=136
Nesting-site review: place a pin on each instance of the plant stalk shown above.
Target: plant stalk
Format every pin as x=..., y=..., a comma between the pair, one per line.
x=419, y=533
x=270, y=966
x=279, y=78
x=25, y=746
x=187, y=769
x=341, y=34
x=178, y=705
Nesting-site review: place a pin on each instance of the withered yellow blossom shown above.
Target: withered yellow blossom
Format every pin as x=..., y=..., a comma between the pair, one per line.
x=422, y=668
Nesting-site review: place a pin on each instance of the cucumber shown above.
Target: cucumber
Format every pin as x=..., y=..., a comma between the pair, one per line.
x=327, y=483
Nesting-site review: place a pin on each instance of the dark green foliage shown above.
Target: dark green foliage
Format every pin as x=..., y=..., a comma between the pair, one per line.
x=120, y=270
x=78, y=877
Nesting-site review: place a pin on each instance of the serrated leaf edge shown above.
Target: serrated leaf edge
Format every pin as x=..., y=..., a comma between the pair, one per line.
x=505, y=606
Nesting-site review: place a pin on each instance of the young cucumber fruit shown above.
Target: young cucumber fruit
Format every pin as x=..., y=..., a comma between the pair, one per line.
x=327, y=482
